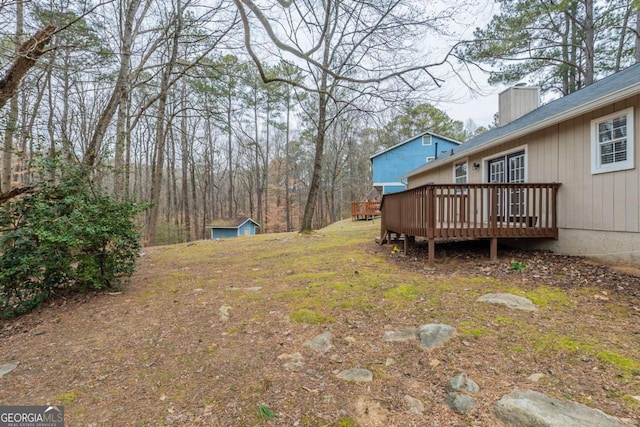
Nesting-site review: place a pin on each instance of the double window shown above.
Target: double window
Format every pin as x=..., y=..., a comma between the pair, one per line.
x=460, y=173
x=612, y=142
x=509, y=168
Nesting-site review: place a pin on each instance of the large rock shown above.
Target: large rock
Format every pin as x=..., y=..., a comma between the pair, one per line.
x=460, y=403
x=320, y=343
x=462, y=383
x=414, y=406
x=511, y=301
x=533, y=409
x=435, y=335
x=401, y=335
x=8, y=367
x=358, y=375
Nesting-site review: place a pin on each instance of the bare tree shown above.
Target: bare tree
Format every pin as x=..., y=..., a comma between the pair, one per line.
x=351, y=50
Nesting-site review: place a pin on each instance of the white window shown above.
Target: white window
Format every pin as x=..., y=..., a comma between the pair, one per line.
x=460, y=173
x=612, y=142
x=426, y=139
x=430, y=158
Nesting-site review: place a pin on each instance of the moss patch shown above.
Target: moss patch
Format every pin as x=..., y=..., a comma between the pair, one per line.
x=310, y=317
x=67, y=398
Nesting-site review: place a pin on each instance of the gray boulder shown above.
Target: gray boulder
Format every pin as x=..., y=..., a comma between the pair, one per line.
x=533, y=409
x=320, y=343
x=356, y=375
x=460, y=403
x=462, y=383
x=510, y=301
x=435, y=335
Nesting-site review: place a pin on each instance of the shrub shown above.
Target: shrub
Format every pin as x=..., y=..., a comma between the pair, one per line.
x=64, y=236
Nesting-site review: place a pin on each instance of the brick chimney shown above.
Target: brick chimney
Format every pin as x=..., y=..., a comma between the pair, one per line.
x=517, y=101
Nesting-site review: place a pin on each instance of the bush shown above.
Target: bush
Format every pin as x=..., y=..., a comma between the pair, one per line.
x=64, y=237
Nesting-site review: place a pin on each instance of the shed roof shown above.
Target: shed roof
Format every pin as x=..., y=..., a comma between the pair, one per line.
x=231, y=222
x=446, y=138
x=599, y=94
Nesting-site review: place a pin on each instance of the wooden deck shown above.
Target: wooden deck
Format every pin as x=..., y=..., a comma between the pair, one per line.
x=364, y=210
x=491, y=211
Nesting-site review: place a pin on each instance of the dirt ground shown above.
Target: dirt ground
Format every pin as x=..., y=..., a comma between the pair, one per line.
x=205, y=333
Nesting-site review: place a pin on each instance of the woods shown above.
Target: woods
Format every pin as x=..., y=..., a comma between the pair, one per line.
x=211, y=110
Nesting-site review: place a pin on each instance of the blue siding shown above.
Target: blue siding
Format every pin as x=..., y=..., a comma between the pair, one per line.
x=246, y=229
x=390, y=165
x=223, y=233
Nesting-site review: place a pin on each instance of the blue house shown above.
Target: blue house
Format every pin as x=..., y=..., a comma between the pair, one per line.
x=232, y=227
x=397, y=161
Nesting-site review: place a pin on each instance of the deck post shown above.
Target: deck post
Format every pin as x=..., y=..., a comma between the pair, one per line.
x=432, y=251
x=406, y=244
x=494, y=248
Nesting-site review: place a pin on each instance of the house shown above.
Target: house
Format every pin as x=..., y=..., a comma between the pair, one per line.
x=394, y=162
x=232, y=227
x=586, y=143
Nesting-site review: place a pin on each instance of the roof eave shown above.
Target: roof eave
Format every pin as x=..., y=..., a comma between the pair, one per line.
x=411, y=139
x=560, y=117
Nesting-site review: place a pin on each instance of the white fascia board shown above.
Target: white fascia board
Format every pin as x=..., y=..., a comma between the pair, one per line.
x=553, y=120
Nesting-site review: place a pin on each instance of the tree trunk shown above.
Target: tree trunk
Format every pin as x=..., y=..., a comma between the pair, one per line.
x=230, y=155
x=12, y=116
x=589, y=35
x=287, y=196
x=637, y=43
x=186, y=212
x=28, y=54
x=156, y=179
x=93, y=148
x=314, y=187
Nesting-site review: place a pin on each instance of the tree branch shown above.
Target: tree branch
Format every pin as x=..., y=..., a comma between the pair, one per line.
x=15, y=193
x=28, y=54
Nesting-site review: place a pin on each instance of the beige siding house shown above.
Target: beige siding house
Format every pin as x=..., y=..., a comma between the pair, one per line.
x=587, y=141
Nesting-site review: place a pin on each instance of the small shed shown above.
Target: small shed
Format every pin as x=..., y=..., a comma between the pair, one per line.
x=232, y=227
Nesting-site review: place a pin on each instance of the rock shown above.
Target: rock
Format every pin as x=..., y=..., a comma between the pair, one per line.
x=293, y=366
x=249, y=288
x=462, y=383
x=321, y=343
x=528, y=408
x=460, y=403
x=534, y=378
x=356, y=375
x=400, y=336
x=223, y=313
x=511, y=301
x=414, y=406
x=290, y=356
x=435, y=335
x=8, y=367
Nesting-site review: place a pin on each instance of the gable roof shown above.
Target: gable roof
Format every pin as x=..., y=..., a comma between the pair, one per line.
x=599, y=94
x=413, y=138
x=231, y=222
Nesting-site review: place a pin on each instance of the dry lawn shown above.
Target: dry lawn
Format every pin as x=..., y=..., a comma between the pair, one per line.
x=195, y=339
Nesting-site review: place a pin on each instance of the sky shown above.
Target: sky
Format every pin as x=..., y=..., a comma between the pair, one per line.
x=480, y=108
x=457, y=100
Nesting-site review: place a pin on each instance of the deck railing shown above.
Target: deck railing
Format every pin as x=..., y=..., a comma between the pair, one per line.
x=494, y=211
x=364, y=210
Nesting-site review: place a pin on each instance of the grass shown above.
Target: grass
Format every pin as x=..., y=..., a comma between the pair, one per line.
x=170, y=347
x=309, y=317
